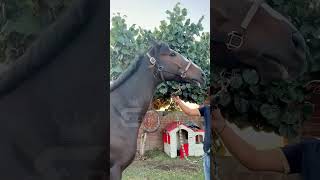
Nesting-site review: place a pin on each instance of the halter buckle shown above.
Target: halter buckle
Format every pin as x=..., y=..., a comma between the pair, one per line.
x=235, y=40
x=183, y=74
x=153, y=60
x=160, y=68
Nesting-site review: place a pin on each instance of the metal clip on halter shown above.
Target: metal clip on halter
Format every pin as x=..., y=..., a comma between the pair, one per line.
x=235, y=40
x=184, y=75
x=152, y=59
x=160, y=68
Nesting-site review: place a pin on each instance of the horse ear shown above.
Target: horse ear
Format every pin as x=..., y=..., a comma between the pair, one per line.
x=164, y=48
x=152, y=42
x=220, y=15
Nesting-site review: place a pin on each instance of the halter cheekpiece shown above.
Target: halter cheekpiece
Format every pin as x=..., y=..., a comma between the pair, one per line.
x=234, y=39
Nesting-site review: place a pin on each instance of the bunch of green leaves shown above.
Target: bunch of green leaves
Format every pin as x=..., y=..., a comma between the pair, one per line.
x=279, y=107
x=22, y=21
x=123, y=45
x=179, y=32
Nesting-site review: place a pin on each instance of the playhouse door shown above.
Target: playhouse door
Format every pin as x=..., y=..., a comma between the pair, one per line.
x=186, y=148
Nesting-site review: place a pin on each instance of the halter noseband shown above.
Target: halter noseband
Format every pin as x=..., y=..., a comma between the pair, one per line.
x=160, y=68
x=184, y=73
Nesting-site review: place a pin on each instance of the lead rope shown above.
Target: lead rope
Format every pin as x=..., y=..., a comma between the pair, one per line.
x=224, y=87
x=184, y=154
x=180, y=134
x=215, y=163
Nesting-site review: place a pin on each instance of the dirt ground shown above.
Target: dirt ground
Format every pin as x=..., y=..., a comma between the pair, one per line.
x=158, y=166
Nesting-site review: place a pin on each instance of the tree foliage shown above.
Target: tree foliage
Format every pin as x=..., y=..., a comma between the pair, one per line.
x=22, y=21
x=282, y=106
x=179, y=32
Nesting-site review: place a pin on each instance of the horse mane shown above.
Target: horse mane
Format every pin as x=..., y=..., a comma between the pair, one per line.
x=133, y=67
x=48, y=45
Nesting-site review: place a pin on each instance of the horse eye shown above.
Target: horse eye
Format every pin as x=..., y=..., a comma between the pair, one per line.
x=172, y=54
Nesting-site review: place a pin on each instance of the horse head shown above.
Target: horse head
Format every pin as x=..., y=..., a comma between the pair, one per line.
x=170, y=65
x=251, y=33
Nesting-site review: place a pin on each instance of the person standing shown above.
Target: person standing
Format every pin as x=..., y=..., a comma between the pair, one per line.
x=204, y=111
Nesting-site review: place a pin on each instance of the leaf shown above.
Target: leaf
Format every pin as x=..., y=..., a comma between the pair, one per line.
x=291, y=118
x=285, y=98
x=236, y=82
x=307, y=110
x=250, y=76
x=183, y=87
x=224, y=99
x=292, y=95
x=306, y=28
x=287, y=131
x=187, y=22
x=283, y=130
x=274, y=122
x=316, y=33
x=117, y=69
x=255, y=90
x=26, y=24
x=180, y=40
x=163, y=90
x=270, y=111
x=255, y=105
x=242, y=105
x=195, y=97
x=184, y=12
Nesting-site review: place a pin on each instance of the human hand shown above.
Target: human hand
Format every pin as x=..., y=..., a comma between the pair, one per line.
x=218, y=121
x=176, y=99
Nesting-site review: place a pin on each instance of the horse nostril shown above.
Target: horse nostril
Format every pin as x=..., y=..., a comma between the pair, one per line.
x=298, y=41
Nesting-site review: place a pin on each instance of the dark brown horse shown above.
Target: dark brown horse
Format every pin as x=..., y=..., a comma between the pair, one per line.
x=132, y=93
x=251, y=33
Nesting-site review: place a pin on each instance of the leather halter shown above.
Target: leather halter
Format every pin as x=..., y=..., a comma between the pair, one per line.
x=160, y=69
x=234, y=39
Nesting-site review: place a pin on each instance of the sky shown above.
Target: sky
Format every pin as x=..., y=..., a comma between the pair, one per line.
x=148, y=13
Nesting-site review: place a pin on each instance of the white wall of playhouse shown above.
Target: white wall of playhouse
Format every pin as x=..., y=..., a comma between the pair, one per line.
x=192, y=140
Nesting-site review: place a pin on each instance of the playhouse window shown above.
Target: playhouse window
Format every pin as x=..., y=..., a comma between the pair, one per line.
x=199, y=139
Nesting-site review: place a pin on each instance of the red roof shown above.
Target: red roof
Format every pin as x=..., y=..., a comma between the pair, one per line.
x=171, y=126
x=199, y=130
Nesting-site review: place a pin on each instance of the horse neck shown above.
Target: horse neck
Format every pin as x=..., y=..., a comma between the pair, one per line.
x=140, y=87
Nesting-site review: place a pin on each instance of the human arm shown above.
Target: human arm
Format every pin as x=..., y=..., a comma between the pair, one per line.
x=248, y=155
x=185, y=108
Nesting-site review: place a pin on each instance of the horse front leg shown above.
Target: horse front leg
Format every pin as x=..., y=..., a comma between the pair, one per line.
x=115, y=172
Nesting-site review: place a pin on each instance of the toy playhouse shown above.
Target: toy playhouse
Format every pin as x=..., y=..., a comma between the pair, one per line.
x=192, y=140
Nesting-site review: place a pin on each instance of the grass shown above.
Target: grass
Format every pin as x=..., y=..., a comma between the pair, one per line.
x=159, y=166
